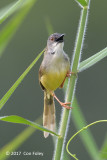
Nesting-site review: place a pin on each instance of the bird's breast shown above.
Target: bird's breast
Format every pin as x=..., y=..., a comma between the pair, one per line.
x=55, y=75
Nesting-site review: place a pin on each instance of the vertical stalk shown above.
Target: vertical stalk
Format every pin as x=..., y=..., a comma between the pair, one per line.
x=71, y=85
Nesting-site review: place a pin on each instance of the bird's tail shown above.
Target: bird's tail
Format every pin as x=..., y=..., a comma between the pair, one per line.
x=49, y=113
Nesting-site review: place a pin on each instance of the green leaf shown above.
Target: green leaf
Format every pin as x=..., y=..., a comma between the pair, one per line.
x=11, y=8
x=103, y=151
x=11, y=27
x=15, y=85
x=17, y=119
x=83, y=3
x=18, y=140
x=92, y=60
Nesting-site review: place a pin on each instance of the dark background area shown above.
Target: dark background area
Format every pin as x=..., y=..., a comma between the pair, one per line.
x=27, y=100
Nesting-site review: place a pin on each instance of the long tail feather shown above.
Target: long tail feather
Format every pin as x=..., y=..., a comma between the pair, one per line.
x=49, y=113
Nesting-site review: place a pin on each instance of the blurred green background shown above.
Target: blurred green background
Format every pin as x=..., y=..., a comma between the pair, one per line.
x=27, y=100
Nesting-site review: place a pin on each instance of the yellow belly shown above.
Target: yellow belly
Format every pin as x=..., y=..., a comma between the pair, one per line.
x=51, y=81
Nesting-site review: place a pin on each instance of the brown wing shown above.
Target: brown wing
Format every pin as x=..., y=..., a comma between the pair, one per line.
x=41, y=73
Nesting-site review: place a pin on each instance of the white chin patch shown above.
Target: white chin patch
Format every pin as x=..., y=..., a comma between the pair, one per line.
x=58, y=46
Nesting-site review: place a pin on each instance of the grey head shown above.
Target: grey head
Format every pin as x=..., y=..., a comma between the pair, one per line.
x=54, y=40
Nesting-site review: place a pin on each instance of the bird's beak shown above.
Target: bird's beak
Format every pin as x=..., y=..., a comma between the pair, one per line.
x=60, y=39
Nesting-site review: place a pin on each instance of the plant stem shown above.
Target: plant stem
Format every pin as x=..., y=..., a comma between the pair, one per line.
x=84, y=128
x=71, y=85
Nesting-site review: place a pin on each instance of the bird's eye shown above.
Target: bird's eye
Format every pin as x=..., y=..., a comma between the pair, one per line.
x=51, y=38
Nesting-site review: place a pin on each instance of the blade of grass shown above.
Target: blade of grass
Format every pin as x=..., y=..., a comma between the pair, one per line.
x=103, y=151
x=92, y=60
x=11, y=27
x=49, y=26
x=19, y=80
x=5, y=9
x=17, y=119
x=18, y=140
x=11, y=8
x=83, y=3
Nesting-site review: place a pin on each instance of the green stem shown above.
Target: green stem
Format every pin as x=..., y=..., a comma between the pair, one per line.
x=71, y=86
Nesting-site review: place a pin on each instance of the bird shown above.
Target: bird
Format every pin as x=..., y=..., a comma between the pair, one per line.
x=54, y=69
